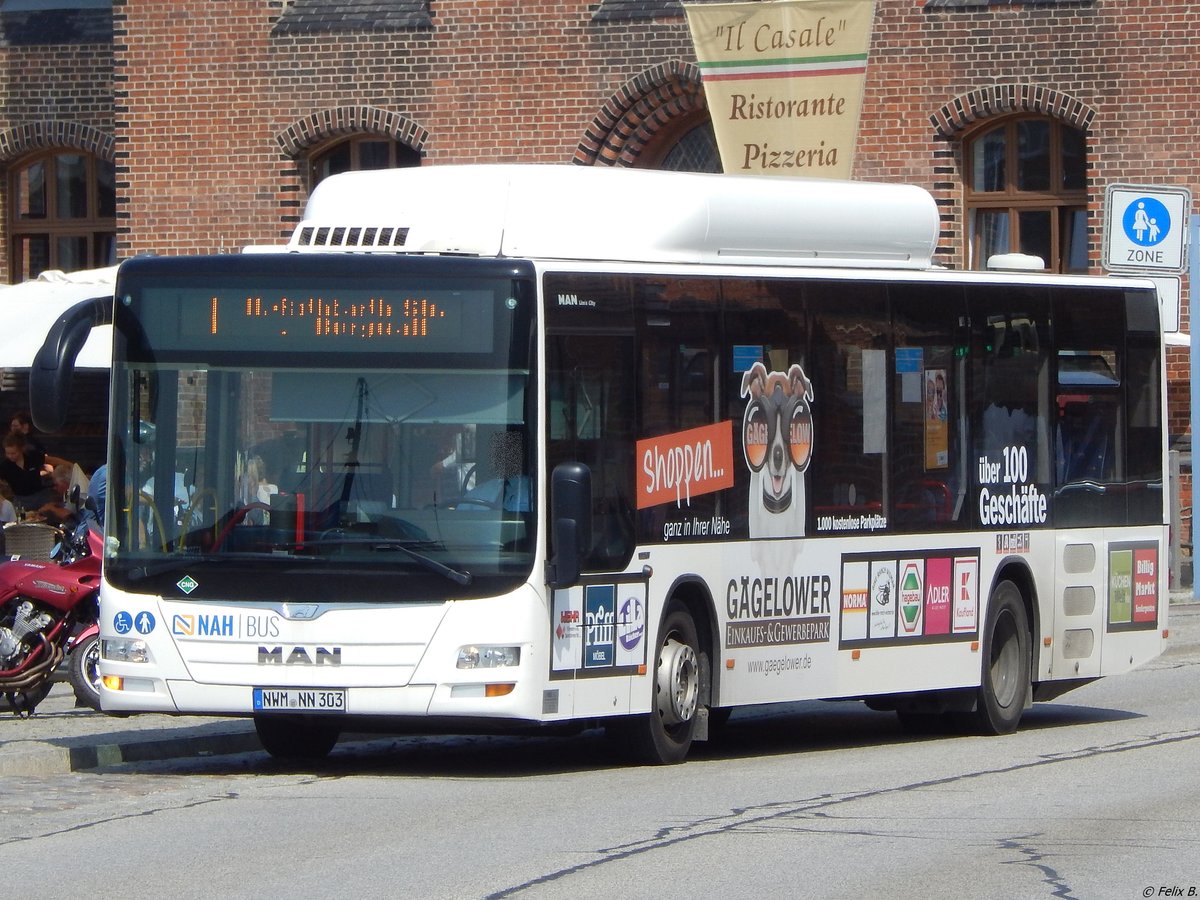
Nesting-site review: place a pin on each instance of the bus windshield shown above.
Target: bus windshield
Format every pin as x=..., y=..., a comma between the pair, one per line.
x=342, y=432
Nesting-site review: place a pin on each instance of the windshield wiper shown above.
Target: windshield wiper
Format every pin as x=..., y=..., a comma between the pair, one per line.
x=458, y=577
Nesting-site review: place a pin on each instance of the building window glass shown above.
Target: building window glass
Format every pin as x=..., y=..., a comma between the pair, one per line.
x=1027, y=193
x=684, y=144
x=695, y=151
x=362, y=152
x=62, y=214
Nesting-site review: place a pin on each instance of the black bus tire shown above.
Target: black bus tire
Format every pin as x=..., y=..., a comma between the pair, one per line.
x=1005, y=685
x=664, y=736
x=298, y=738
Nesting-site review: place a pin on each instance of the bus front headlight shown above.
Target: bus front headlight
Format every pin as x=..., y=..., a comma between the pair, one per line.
x=130, y=650
x=477, y=657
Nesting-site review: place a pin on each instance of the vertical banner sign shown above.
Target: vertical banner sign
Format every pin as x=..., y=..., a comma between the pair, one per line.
x=784, y=82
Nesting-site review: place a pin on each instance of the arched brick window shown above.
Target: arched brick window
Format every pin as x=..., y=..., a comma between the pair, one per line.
x=62, y=213
x=1026, y=192
x=364, y=151
x=658, y=120
x=687, y=145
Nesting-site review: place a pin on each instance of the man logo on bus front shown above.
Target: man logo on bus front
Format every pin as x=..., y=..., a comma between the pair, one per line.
x=777, y=439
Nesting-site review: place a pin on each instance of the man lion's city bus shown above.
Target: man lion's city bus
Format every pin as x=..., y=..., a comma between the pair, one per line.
x=509, y=447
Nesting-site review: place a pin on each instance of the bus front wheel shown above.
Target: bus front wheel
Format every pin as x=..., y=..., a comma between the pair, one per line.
x=1004, y=690
x=664, y=736
x=297, y=738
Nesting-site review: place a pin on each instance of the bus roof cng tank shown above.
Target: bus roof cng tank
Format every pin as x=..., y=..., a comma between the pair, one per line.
x=616, y=214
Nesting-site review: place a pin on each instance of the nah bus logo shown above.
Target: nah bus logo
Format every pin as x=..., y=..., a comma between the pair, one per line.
x=677, y=467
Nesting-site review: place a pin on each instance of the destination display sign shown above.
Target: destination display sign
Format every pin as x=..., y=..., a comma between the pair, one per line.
x=291, y=318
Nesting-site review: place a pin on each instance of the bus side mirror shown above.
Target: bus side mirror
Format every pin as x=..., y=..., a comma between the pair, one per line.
x=54, y=365
x=571, y=520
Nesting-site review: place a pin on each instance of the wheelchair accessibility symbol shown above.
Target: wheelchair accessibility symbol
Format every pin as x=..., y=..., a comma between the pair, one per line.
x=1146, y=222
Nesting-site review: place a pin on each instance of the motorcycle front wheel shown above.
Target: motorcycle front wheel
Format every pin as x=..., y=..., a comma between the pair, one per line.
x=85, y=672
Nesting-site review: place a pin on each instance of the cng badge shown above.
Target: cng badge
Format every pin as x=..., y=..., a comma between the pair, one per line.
x=187, y=584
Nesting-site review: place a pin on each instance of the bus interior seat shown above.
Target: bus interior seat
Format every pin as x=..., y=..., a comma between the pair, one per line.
x=1082, y=443
x=928, y=500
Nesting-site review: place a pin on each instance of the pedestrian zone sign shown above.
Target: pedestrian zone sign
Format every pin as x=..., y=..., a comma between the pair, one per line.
x=1145, y=228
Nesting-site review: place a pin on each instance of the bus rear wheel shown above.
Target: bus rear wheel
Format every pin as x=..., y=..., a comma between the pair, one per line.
x=297, y=738
x=1004, y=691
x=664, y=736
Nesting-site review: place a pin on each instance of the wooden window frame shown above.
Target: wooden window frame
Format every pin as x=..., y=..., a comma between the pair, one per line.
x=91, y=226
x=1013, y=201
x=400, y=154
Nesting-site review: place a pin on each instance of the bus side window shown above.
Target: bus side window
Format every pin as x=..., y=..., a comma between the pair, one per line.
x=1010, y=394
x=1089, y=441
x=929, y=471
x=590, y=407
x=851, y=340
x=1143, y=398
x=678, y=327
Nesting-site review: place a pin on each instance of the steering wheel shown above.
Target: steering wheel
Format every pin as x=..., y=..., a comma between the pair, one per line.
x=238, y=515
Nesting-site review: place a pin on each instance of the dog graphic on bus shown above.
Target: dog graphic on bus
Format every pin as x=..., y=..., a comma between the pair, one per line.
x=777, y=439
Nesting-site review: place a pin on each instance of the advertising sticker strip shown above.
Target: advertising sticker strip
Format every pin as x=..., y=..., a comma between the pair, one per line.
x=1132, y=586
x=909, y=598
x=599, y=629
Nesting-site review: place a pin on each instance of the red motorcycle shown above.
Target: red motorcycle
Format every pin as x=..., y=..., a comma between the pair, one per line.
x=47, y=609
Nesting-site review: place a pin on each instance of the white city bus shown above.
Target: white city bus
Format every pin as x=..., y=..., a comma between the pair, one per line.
x=531, y=446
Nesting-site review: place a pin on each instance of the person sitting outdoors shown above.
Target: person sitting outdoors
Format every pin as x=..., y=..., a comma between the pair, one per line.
x=60, y=510
x=98, y=491
x=27, y=469
x=22, y=423
x=8, y=512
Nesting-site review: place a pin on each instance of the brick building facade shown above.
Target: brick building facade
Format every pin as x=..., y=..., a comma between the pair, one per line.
x=204, y=119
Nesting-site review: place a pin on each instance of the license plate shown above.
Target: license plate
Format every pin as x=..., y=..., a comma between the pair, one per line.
x=300, y=699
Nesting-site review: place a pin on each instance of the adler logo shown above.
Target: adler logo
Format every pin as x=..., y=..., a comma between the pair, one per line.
x=300, y=656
